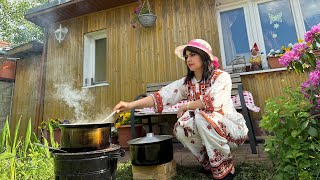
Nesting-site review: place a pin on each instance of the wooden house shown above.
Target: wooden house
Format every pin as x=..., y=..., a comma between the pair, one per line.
x=104, y=55
x=25, y=86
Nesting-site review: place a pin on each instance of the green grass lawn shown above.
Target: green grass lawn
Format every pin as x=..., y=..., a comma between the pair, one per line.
x=243, y=171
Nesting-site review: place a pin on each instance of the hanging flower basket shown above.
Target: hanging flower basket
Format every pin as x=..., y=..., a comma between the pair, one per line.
x=147, y=20
x=143, y=15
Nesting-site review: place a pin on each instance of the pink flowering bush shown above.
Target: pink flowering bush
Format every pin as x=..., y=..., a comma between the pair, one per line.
x=303, y=56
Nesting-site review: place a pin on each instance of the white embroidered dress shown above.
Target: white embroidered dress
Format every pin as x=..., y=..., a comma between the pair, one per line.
x=212, y=132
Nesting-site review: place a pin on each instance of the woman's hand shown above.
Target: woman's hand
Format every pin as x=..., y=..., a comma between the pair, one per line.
x=122, y=106
x=182, y=109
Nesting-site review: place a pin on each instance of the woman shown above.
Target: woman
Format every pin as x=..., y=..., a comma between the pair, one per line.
x=208, y=124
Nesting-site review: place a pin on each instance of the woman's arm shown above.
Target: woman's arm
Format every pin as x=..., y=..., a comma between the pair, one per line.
x=193, y=105
x=141, y=103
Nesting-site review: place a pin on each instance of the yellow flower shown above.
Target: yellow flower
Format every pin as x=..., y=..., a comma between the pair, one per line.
x=300, y=40
x=117, y=125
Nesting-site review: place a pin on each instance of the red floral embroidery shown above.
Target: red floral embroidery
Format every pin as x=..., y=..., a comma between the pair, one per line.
x=228, y=136
x=204, y=161
x=209, y=126
x=192, y=94
x=158, y=102
x=187, y=131
x=192, y=142
x=208, y=102
x=222, y=170
x=215, y=75
x=203, y=150
x=221, y=110
x=213, y=124
x=175, y=90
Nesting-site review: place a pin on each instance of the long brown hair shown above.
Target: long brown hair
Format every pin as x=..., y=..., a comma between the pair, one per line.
x=207, y=66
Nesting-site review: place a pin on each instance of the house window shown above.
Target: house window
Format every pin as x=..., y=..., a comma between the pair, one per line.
x=277, y=24
x=94, y=62
x=234, y=32
x=269, y=23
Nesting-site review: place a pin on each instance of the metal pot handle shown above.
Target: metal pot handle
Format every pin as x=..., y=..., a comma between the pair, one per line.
x=118, y=154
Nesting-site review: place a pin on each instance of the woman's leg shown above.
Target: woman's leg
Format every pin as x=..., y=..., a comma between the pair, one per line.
x=216, y=144
x=188, y=135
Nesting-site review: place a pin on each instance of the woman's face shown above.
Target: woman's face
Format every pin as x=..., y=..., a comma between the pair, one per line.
x=193, y=61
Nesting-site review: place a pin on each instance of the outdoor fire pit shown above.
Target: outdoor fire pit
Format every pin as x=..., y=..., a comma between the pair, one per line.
x=97, y=165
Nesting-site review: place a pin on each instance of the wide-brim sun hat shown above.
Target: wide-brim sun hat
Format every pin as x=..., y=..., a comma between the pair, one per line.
x=198, y=43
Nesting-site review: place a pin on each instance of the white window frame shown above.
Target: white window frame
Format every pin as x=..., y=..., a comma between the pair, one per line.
x=89, y=58
x=252, y=18
x=247, y=20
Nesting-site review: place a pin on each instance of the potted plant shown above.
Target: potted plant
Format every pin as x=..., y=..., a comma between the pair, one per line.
x=273, y=56
x=124, y=129
x=143, y=15
x=294, y=121
x=54, y=123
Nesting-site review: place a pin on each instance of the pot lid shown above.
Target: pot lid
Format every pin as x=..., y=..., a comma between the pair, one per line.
x=150, y=138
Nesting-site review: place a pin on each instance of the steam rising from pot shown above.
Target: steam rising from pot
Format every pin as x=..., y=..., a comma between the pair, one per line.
x=74, y=98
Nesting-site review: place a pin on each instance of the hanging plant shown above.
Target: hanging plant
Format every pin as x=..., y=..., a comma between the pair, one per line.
x=143, y=15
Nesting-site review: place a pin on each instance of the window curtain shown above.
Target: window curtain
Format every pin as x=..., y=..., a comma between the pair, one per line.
x=234, y=34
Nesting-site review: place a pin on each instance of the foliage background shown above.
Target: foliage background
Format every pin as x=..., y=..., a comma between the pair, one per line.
x=14, y=28
x=294, y=144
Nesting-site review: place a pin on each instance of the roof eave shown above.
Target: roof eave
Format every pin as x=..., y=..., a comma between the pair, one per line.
x=53, y=12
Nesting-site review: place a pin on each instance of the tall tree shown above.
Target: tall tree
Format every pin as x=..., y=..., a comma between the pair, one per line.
x=14, y=28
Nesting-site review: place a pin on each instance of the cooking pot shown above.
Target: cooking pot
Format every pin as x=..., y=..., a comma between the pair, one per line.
x=85, y=137
x=151, y=150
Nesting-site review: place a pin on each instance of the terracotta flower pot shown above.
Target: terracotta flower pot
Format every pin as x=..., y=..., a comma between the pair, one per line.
x=57, y=134
x=274, y=62
x=7, y=70
x=124, y=134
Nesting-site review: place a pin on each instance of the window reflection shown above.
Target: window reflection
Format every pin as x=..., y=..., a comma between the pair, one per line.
x=277, y=24
x=311, y=12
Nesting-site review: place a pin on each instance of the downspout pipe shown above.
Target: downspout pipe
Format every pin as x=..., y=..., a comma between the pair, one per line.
x=41, y=87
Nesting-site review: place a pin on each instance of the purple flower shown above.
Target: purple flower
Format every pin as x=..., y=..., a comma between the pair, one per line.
x=299, y=48
x=288, y=57
x=137, y=10
x=314, y=78
x=318, y=65
x=309, y=36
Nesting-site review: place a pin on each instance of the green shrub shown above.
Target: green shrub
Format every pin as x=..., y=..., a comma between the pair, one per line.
x=294, y=145
x=21, y=159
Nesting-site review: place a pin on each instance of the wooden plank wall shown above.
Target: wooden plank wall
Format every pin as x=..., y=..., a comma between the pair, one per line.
x=135, y=56
x=25, y=91
x=264, y=86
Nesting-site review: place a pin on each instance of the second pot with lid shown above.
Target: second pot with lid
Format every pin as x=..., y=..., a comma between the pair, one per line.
x=151, y=150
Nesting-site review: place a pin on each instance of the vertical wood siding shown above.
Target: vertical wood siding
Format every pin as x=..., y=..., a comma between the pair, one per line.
x=269, y=85
x=135, y=56
x=25, y=91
